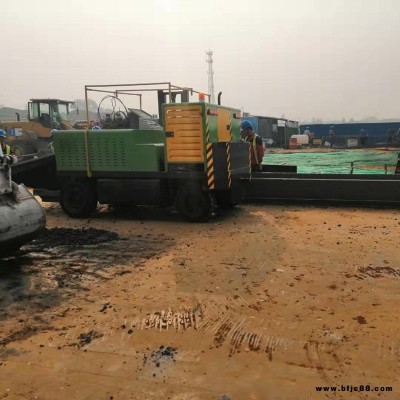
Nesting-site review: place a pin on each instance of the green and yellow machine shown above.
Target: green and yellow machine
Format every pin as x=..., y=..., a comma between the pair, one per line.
x=194, y=162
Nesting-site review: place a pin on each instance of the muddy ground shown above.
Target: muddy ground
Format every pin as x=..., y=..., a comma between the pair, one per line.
x=265, y=302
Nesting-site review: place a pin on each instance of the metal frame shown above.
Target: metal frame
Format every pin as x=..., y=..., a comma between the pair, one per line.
x=131, y=88
x=137, y=87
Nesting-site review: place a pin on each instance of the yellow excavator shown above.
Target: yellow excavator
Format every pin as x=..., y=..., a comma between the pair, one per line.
x=33, y=135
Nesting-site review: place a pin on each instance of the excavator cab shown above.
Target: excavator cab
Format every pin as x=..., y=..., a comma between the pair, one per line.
x=50, y=113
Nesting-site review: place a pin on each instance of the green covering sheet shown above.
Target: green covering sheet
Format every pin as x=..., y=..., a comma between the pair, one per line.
x=336, y=162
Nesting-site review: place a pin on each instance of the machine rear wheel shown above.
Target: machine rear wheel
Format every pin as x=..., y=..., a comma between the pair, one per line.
x=193, y=203
x=79, y=198
x=22, y=149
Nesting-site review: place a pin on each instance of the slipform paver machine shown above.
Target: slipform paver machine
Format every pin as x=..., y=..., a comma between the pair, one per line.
x=194, y=162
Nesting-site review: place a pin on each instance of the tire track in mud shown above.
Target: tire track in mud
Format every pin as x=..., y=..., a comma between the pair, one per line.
x=245, y=334
x=165, y=320
x=240, y=333
x=377, y=272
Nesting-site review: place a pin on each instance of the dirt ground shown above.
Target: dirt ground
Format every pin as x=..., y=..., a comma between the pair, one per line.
x=265, y=302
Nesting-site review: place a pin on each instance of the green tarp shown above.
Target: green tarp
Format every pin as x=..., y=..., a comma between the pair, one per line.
x=336, y=162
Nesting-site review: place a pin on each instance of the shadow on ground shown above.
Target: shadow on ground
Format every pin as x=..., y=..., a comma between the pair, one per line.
x=63, y=262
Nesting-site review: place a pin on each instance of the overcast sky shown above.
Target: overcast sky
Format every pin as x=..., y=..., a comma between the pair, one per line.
x=302, y=58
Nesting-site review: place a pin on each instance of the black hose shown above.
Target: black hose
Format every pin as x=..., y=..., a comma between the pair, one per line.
x=219, y=98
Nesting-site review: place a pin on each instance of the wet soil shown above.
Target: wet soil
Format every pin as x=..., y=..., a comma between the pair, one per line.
x=265, y=302
x=60, y=263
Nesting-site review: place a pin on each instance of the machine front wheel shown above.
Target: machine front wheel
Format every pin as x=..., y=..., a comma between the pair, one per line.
x=79, y=198
x=194, y=203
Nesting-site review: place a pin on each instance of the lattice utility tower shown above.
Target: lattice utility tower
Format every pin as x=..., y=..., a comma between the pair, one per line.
x=210, y=73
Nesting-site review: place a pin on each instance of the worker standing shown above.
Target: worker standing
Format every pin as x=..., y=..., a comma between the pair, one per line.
x=390, y=134
x=256, y=148
x=331, y=135
x=96, y=126
x=6, y=149
x=51, y=144
x=398, y=136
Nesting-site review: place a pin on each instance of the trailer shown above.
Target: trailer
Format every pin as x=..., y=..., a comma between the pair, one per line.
x=286, y=186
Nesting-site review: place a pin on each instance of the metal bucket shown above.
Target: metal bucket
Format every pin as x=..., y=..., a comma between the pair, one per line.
x=21, y=215
x=21, y=219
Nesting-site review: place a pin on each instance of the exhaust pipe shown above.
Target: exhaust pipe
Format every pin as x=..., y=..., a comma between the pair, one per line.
x=18, y=117
x=219, y=98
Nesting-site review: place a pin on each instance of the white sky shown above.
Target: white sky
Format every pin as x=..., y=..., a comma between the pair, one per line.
x=302, y=58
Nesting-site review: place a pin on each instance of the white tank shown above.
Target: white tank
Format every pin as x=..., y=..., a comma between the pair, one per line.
x=301, y=139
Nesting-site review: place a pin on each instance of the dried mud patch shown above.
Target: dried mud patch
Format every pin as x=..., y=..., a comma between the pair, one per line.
x=377, y=272
x=86, y=338
x=159, y=361
x=7, y=352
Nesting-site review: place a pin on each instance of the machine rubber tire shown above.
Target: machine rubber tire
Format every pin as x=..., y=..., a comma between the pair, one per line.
x=193, y=203
x=79, y=198
x=22, y=149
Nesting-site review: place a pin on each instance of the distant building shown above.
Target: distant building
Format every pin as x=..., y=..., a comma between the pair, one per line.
x=272, y=130
x=354, y=134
